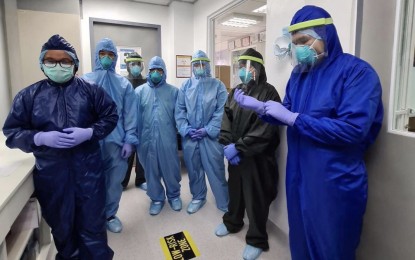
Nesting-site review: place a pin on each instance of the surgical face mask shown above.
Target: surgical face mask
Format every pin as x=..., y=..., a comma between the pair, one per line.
x=306, y=54
x=155, y=77
x=58, y=74
x=244, y=75
x=135, y=70
x=199, y=72
x=106, y=62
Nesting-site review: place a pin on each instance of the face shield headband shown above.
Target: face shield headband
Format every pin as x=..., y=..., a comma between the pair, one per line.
x=310, y=23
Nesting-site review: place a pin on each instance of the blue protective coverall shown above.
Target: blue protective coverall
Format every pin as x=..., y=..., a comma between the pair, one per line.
x=157, y=150
x=340, y=114
x=121, y=91
x=69, y=183
x=200, y=104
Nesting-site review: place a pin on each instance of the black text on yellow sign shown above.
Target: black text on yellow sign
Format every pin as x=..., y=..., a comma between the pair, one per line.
x=179, y=246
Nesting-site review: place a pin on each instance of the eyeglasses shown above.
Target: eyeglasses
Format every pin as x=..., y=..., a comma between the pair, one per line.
x=62, y=63
x=157, y=69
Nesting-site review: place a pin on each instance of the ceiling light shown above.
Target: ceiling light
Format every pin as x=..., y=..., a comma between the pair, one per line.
x=240, y=20
x=261, y=10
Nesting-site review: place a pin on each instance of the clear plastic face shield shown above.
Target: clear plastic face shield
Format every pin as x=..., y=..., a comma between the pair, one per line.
x=200, y=67
x=304, y=43
x=249, y=71
x=135, y=66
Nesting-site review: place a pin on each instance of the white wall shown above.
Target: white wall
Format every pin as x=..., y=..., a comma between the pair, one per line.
x=4, y=75
x=389, y=224
x=170, y=21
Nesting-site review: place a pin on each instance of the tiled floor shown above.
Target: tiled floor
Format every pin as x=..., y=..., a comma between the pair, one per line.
x=140, y=238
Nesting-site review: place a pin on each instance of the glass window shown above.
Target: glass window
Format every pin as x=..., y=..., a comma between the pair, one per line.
x=402, y=98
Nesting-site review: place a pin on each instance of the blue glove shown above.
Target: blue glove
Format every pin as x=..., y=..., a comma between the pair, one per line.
x=79, y=135
x=248, y=102
x=279, y=112
x=127, y=150
x=235, y=160
x=230, y=151
x=199, y=134
x=53, y=139
x=191, y=132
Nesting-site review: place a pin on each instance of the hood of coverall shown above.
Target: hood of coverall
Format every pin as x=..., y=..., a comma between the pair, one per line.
x=200, y=56
x=262, y=75
x=57, y=42
x=327, y=32
x=156, y=63
x=105, y=44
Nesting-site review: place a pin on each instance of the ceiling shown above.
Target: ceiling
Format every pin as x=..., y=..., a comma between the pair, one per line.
x=224, y=33
x=163, y=2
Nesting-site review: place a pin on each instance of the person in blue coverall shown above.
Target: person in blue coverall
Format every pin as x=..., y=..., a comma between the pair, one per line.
x=250, y=146
x=60, y=120
x=333, y=111
x=199, y=111
x=157, y=149
x=119, y=145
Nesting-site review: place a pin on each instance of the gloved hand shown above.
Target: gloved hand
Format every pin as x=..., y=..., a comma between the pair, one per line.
x=79, y=135
x=199, y=134
x=53, y=139
x=279, y=112
x=230, y=151
x=248, y=102
x=235, y=160
x=127, y=150
x=191, y=132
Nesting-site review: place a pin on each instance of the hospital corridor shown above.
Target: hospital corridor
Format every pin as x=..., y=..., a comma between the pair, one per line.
x=207, y=129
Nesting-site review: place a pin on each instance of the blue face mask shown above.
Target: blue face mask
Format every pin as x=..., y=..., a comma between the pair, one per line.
x=155, y=77
x=199, y=72
x=135, y=70
x=58, y=74
x=106, y=62
x=306, y=54
x=244, y=76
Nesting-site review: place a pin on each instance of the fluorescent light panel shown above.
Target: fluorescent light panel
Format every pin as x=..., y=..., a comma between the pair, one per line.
x=261, y=10
x=241, y=20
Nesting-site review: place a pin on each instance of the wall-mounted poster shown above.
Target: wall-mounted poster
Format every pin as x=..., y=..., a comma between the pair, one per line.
x=231, y=45
x=183, y=66
x=245, y=41
x=238, y=43
x=122, y=52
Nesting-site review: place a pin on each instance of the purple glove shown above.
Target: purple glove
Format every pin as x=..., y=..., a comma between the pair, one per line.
x=248, y=102
x=279, y=112
x=235, y=160
x=230, y=151
x=53, y=139
x=79, y=135
x=191, y=132
x=127, y=150
x=199, y=134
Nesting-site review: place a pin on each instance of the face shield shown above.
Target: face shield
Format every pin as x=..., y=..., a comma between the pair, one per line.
x=308, y=43
x=249, y=71
x=135, y=66
x=200, y=67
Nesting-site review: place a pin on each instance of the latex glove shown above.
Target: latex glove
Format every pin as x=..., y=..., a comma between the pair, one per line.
x=235, y=160
x=248, y=102
x=79, y=135
x=53, y=139
x=199, y=134
x=191, y=132
x=127, y=150
x=279, y=112
x=230, y=151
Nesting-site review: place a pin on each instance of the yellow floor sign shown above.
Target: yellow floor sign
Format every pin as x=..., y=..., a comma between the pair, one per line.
x=179, y=246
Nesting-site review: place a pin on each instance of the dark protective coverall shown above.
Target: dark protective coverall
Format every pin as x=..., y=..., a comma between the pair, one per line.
x=69, y=183
x=139, y=170
x=252, y=183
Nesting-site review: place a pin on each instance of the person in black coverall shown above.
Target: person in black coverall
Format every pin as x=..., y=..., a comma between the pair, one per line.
x=61, y=120
x=135, y=65
x=250, y=146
